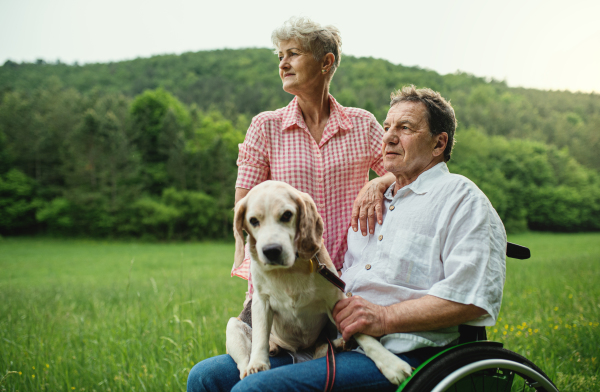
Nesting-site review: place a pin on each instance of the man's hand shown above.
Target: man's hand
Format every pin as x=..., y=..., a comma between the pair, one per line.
x=355, y=314
x=369, y=204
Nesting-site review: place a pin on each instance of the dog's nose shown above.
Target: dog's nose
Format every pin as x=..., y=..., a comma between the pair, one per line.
x=273, y=253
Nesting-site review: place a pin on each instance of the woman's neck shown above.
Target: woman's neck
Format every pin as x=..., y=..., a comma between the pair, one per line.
x=315, y=110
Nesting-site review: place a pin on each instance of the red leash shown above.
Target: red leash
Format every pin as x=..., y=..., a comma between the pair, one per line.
x=337, y=282
x=330, y=367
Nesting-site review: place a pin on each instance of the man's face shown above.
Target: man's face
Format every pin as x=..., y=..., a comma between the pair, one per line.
x=408, y=146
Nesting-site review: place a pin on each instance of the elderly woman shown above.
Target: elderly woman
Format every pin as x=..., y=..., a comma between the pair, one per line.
x=319, y=147
x=315, y=144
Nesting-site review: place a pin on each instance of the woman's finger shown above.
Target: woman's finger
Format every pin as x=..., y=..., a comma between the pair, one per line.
x=355, y=212
x=363, y=219
x=371, y=217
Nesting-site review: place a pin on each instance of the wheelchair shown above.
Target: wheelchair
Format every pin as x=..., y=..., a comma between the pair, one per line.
x=476, y=364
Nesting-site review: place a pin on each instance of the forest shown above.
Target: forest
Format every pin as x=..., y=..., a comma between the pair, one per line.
x=146, y=148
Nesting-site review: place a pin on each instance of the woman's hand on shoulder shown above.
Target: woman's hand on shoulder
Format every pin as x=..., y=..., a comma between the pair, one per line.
x=368, y=205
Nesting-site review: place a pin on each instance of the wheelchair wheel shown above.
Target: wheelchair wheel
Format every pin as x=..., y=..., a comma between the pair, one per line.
x=480, y=368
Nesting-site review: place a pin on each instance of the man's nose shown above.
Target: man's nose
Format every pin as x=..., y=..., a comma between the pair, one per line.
x=390, y=137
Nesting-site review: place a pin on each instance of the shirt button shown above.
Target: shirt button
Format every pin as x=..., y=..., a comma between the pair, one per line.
x=368, y=266
x=348, y=294
x=380, y=237
x=392, y=208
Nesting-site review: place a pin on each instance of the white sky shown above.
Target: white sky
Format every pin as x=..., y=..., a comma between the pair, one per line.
x=545, y=44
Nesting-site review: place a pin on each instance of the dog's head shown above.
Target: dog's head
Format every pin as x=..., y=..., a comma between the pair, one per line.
x=280, y=221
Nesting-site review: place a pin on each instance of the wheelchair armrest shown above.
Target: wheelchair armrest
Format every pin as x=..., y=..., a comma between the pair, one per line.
x=517, y=251
x=470, y=333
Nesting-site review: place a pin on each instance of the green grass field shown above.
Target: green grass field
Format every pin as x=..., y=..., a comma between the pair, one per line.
x=79, y=315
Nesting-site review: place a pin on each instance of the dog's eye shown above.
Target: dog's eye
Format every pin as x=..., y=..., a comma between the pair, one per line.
x=254, y=222
x=286, y=216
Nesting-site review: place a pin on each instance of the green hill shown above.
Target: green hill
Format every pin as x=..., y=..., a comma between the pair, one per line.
x=246, y=81
x=137, y=147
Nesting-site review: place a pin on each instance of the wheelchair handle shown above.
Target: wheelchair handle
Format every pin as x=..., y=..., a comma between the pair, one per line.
x=517, y=251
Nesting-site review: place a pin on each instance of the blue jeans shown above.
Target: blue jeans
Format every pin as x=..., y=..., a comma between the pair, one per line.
x=354, y=372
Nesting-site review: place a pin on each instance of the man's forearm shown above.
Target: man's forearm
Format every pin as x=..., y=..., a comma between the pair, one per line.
x=428, y=313
x=355, y=314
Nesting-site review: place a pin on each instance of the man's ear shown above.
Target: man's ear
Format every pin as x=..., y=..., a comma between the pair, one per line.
x=309, y=236
x=441, y=141
x=238, y=225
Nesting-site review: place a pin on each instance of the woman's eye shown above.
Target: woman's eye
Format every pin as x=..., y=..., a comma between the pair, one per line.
x=280, y=58
x=254, y=222
x=286, y=216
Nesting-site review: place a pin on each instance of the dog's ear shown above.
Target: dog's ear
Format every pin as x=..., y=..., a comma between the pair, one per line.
x=310, y=226
x=238, y=234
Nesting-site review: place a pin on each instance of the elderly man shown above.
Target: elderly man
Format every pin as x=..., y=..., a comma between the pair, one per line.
x=436, y=261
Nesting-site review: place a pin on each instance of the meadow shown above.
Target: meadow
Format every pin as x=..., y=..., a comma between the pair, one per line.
x=86, y=315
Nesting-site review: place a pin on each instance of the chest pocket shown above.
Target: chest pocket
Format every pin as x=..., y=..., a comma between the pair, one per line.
x=412, y=256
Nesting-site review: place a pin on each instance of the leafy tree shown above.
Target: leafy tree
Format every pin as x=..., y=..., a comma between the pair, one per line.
x=17, y=203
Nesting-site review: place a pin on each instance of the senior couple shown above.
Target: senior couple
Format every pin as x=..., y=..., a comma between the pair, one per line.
x=425, y=251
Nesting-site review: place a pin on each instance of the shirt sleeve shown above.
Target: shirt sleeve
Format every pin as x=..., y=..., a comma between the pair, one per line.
x=474, y=258
x=376, y=133
x=253, y=159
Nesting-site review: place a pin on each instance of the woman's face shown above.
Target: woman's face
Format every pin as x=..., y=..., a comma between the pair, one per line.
x=298, y=69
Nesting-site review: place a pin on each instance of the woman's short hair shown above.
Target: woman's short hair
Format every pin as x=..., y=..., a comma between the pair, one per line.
x=312, y=36
x=440, y=114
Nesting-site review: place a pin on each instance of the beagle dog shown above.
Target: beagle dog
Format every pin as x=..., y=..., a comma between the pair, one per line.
x=291, y=303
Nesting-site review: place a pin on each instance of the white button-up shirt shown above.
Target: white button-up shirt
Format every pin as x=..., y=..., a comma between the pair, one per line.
x=440, y=236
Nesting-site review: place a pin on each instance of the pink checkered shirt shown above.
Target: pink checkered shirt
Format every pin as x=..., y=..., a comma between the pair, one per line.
x=278, y=146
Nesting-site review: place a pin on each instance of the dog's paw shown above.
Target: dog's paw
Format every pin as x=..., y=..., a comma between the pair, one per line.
x=395, y=369
x=255, y=367
x=273, y=349
x=339, y=344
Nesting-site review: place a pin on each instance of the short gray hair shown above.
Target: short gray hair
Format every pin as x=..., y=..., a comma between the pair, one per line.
x=440, y=114
x=312, y=36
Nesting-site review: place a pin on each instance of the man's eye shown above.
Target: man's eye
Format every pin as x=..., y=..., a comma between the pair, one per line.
x=286, y=216
x=254, y=222
x=386, y=129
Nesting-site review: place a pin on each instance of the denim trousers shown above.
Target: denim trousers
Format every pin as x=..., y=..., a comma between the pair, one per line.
x=354, y=372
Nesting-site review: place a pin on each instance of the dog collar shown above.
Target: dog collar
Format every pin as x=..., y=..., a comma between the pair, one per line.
x=315, y=264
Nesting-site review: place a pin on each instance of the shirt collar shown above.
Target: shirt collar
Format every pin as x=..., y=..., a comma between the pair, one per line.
x=292, y=115
x=424, y=183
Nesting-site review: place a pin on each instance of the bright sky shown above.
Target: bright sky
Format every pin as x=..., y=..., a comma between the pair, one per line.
x=546, y=44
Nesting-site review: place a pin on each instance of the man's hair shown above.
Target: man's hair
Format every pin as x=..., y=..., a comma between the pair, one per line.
x=440, y=114
x=312, y=37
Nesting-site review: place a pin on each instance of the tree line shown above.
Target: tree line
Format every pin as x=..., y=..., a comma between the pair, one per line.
x=246, y=81
x=147, y=148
